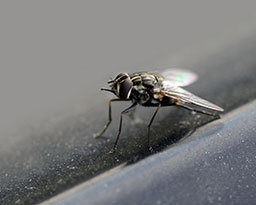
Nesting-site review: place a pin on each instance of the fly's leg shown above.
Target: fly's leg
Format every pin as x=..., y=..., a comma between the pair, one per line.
x=131, y=114
x=109, y=117
x=120, y=126
x=149, y=147
x=199, y=111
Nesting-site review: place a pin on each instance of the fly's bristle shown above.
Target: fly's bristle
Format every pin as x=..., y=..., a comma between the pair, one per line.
x=110, y=81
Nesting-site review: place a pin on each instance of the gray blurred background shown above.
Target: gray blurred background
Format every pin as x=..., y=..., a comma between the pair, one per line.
x=55, y=55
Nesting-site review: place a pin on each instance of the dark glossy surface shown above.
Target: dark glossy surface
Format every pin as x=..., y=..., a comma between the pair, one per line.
x=215, y=165
x=62, y=152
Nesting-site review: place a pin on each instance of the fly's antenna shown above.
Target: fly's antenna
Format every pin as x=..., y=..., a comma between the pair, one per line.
x=106, y=89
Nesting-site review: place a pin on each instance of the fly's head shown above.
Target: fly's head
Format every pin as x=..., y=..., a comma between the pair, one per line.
x=121, y=86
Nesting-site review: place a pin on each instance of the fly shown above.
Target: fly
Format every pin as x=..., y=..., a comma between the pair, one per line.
x=153, y=89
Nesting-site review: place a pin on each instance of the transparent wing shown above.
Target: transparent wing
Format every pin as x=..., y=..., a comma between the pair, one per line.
x=184, y=96
x=176, y=77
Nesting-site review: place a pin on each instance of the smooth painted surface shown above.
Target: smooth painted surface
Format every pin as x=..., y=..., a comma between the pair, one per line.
x=216, y=165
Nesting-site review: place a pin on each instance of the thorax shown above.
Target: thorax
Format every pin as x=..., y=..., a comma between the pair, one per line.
x=143, y=85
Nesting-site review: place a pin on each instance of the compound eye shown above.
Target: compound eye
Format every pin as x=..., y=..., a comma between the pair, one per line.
x=125, y=88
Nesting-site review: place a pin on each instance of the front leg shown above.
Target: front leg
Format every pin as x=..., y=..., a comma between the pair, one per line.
x=120, y=125
x=109, y=117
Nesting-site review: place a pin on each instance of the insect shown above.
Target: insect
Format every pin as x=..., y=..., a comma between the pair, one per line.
x=155, y=89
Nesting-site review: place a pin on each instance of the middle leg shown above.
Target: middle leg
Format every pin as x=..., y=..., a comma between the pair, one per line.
x=152, y=119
